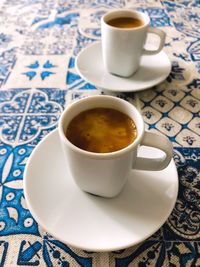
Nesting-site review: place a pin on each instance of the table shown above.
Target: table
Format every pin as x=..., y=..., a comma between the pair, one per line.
x=39, y=41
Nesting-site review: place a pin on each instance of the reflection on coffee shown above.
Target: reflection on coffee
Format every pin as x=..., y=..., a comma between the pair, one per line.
x=101, y=130
x=125, y=22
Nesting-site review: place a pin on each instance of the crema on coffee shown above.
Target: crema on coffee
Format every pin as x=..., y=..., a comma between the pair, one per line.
x=101, y=130
x=125, y=22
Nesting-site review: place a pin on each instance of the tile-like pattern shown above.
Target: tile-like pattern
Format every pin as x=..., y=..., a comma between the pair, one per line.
x=39, y=41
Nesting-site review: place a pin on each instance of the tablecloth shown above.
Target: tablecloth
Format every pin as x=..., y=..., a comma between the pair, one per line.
x=39, y=41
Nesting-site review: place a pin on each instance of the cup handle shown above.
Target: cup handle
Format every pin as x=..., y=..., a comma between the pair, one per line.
x=162, y=36
x=155, y=164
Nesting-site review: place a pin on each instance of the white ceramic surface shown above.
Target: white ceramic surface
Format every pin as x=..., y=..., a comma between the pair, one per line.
x=94, y=223
x=104, y=174
x=153, y=70
x=122, y=48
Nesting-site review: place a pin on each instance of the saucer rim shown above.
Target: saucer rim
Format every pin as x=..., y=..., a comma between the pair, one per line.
x=97, y=43
x=116, y=248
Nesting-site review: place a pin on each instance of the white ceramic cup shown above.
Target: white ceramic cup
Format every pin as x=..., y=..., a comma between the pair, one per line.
x=104, y=174
x=122, y=48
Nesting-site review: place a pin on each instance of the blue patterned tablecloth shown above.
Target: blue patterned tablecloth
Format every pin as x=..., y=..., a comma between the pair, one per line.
x=39, y=41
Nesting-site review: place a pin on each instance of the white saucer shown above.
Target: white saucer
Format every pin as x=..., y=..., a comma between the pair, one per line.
x=90, y=222
x=153, y=70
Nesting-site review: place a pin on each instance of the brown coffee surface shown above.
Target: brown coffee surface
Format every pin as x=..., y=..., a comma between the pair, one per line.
x=101, y=130
x=125, y=22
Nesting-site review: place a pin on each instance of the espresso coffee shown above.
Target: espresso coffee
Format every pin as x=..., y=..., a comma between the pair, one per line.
x=125, y=22
x=101, y=130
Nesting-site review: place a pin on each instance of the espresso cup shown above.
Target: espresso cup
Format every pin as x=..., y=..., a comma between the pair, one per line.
x=124, y=33
x=104, y=174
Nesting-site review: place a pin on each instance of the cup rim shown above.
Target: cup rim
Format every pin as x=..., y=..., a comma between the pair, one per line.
x=96, y=155
x=146, y=19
